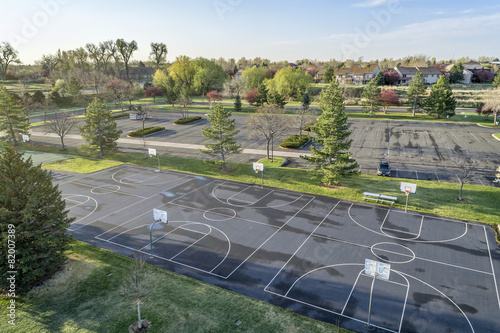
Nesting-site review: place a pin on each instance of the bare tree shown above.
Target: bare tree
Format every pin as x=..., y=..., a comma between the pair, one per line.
x=269, y=122
x=61, y=123
x=185, y=102
x=465, y=170
x=135, y=287
x=492, y=103
x=158, y=54
x=235, y=87
x=46, y=105
x=8, y=55
x=126, y=50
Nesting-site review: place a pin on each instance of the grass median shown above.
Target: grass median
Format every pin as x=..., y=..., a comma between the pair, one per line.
x=87, y=296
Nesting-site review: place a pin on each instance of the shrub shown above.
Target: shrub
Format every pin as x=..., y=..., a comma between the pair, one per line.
x=147, y=130
x=294, y=141
x=119, y=115
x=186, y=120
x=308, y=127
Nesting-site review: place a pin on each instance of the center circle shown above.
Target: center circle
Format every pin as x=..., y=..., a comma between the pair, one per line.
x=393, y=253
x=105, y=189
x=219, y=214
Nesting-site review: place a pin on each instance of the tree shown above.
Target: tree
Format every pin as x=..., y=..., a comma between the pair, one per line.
x=331, y=150
x=416, y=92
x=371, y=97
x=289, y=83
x=153, y=92
x=8, y=55
x=492, y=103
x=482, y=75
x=380, y=79
x=100, y=130
x=261, y=97
x=254, y=76
x=96, y=79
x=391, y=77
x=126, y=50
x=235, y=87
x=33, y=208
x=213, y=96
x=389, y=98
x=222, y=131
x=61, y=123
x=274, y=98
x=304, y=113
x=483, y=111
x=441, y=102
x=60, y=87
x=158, y=54
x=46, y=105
x=183, y=70
x=465, y=170
x=208, y=76
x=74, y=87
x=327, y=77
x=496, y=81
x=185, y=101
x=457, y=73
x=13, y=122
x=251, y=96
x=269, y=122
x=118, y=90
x=237, y=104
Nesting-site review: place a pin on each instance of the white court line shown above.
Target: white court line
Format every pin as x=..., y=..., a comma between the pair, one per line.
x=329, y=311
x=271, y=237
x=474, y=136
x=312, y=233
x=243, y=190
x=135, y=203
x=110, y=192
x=166, y=234
x=403, y=232
x=492, y=267
x=87, y=175
x=479, y=180
x=352, y=290
x=196, y=189
x=200, y=239
x=437, y=177
x=416, y=173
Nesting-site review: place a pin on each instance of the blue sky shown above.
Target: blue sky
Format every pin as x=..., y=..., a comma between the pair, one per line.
x=277, y=30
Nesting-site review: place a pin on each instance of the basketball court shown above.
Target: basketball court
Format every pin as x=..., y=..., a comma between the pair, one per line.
x=300, y=251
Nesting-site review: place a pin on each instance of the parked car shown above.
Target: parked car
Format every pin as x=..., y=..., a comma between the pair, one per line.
x=384, y=169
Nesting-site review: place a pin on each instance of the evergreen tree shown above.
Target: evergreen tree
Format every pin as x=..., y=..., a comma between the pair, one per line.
x=371, y=97
x=13, y=121
x=274, y=98
x=261, y=97
x=416, y=92
x=100, y=130
x=222, y=131
x=32, y=210
x=331, y=151
x=306, y=100
x=304, y=113
x=379, y=78
x=441, y=102
x=327, y=77
x=496, y=81
x=73, y=87
x=237, y=103
x=457, y=73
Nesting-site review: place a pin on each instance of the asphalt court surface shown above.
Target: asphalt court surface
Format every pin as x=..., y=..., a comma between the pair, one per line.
x=299, y=251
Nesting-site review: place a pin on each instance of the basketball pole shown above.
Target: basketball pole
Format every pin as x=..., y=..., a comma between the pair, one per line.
x=159, y=168
x=262, y=181
x=407, y=195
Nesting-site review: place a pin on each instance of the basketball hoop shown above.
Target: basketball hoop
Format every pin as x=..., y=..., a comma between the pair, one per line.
x=407, y=190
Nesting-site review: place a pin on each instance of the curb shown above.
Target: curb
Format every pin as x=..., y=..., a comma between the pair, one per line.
x=305, y=144
x=145, y=136
x=494, y=137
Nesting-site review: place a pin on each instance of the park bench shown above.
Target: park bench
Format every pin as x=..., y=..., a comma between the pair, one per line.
x=379, y=197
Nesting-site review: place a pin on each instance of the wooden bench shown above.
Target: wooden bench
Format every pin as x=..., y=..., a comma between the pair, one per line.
x=379, y=197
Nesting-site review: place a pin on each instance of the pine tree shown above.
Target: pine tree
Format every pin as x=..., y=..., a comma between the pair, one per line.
x=222, y=131
x=379, y=78
x=327, y=77
x=274, y=98
x=371, y=97
x=237, y=103
x=100, y=130
x=416, y=92
x=261, y=97
x=457, y=73
x=331, y=151
x=31, y=209
x=306, y=100
x=13, y=121
x=496, y=81
x=441, y=102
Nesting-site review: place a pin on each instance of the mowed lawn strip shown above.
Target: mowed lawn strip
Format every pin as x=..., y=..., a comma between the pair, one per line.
x=81, y=165
x=480, y=204
x=86, y=296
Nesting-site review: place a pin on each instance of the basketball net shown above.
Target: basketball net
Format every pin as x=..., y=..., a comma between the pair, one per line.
x=407, y=190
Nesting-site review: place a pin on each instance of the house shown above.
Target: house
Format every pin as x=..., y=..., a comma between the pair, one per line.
x=356, y=74
x=406, y=74
x=238, y=74
x=138, y=73
x=318, y=77
x=470, y=66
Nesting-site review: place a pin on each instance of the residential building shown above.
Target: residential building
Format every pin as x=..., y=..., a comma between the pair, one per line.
x=138, y=73
x=406, y=74
x=356, y=74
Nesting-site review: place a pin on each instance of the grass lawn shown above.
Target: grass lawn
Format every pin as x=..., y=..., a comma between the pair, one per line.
x=497, y=135
x=81, y=165
x=86, y=296
x=438, y=198
x=275, y=162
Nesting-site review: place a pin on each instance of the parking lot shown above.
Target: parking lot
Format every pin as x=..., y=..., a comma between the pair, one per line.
x=414, y=149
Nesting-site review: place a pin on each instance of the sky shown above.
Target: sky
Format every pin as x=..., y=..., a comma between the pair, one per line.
x=272, y=29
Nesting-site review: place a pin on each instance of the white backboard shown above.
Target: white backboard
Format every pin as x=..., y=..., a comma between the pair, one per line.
x=413, y=187
x=26, y=138
x=378, y=269
x=160, y=215
x=151, y=152
x=258, y=166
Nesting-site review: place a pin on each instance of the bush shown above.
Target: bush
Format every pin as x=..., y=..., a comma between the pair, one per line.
x=186, y=120
x=119, y=115
x=308, y=127
x=147, y=130
x=294, y=141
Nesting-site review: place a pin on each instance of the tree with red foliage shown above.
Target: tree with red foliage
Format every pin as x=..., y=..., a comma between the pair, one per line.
x=482, y=75
x=213, y=96
x=391, y=77
x=251, y=97
x=388, y=98
x=484, y=111
x=271, y=72
x=153, y=92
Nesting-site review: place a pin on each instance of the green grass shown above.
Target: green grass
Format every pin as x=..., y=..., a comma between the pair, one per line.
x=497, y=135
x=86, y=297
x=432, y=197
x=81, y=165
x=148, y=130
x=275, y=162
x=186, y=120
